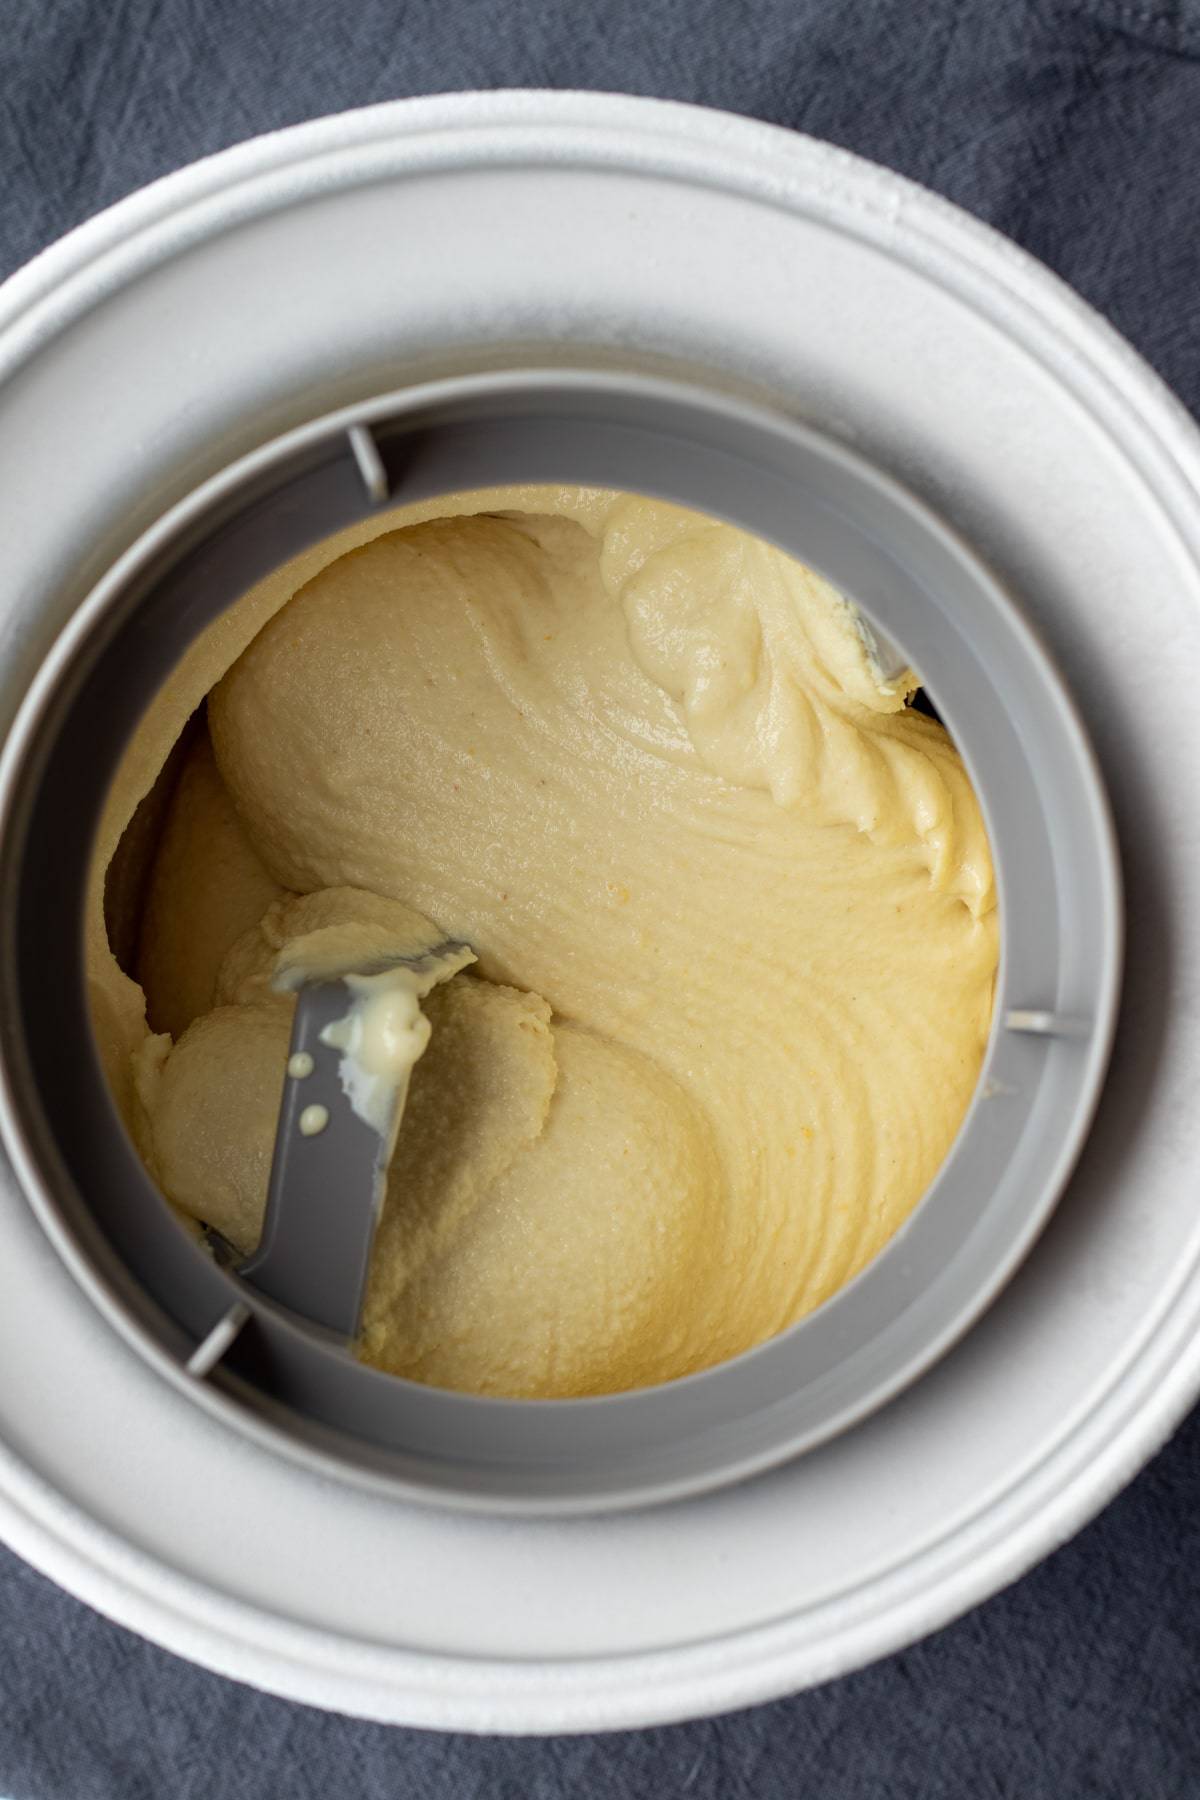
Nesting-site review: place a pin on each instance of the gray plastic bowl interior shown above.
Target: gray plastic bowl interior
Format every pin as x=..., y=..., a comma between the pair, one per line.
x=262, y=1369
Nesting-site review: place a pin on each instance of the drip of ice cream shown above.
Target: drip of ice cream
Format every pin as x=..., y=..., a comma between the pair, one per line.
x=383, y=1033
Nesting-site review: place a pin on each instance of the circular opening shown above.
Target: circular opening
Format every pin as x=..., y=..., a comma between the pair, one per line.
x=1056, y=991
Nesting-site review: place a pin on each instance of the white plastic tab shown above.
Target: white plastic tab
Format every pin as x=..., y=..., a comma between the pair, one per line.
x=1047, y=1024
x=370, y=463
x=207, y=1355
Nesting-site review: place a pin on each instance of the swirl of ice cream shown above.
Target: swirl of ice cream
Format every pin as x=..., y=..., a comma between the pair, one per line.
x=731, y=900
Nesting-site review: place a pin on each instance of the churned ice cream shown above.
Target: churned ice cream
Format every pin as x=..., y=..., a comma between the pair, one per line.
x=730, y=897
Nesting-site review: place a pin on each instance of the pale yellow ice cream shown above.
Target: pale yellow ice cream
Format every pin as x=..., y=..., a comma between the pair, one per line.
x=731, y=900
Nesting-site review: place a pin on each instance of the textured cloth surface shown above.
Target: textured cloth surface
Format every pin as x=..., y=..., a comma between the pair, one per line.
x=1073, y=125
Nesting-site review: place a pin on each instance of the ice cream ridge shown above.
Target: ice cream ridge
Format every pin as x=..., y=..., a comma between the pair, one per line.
x=730, y=898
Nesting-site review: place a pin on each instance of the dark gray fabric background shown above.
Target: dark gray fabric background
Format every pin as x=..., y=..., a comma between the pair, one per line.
x=1073, y=125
